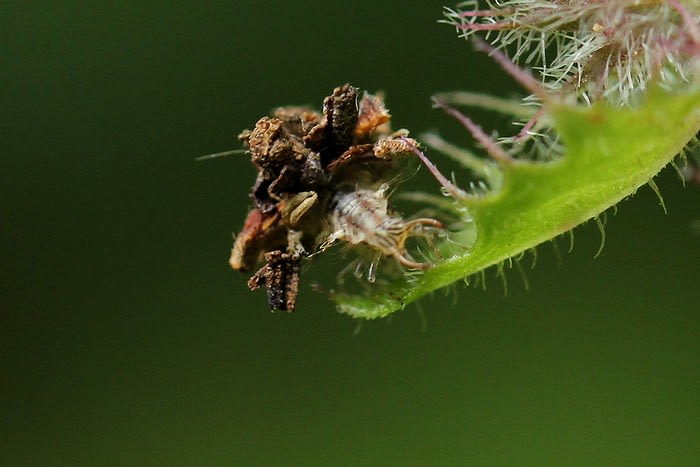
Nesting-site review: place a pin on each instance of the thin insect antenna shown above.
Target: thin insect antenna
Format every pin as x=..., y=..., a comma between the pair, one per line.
x=398, y=179
x=221, y=154
x=495, y=151
x=520, y=75
x=453, y=190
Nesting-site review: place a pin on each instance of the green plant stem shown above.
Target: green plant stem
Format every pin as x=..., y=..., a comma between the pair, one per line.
x=610, y=153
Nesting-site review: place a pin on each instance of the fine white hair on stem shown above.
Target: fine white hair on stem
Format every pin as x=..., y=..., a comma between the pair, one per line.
x=606, y=50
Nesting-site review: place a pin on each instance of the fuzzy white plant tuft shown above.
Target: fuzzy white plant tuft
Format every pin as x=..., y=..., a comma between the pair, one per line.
x=592, y=49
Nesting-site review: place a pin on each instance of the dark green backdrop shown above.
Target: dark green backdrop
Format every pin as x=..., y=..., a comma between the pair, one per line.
x=126, y=340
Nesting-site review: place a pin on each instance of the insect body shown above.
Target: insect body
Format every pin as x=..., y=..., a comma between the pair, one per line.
x=364, y=216
x=317, y=179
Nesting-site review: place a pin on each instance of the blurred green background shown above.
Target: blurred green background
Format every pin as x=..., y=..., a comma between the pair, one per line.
x=126, y=339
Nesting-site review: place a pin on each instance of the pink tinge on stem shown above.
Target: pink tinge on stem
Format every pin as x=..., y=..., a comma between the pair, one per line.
x=471, y=14
x=525, y=132
x=492, y=148
x=485, y=27
x=520, y=75
x=690, y=23
x=453, y=190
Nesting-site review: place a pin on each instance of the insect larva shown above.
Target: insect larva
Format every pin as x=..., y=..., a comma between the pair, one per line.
x=363, y=216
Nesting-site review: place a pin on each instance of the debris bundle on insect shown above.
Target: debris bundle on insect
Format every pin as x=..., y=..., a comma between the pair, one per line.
x=322, y=178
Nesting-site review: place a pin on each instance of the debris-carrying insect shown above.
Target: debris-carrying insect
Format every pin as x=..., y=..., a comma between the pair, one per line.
x=322, y=178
